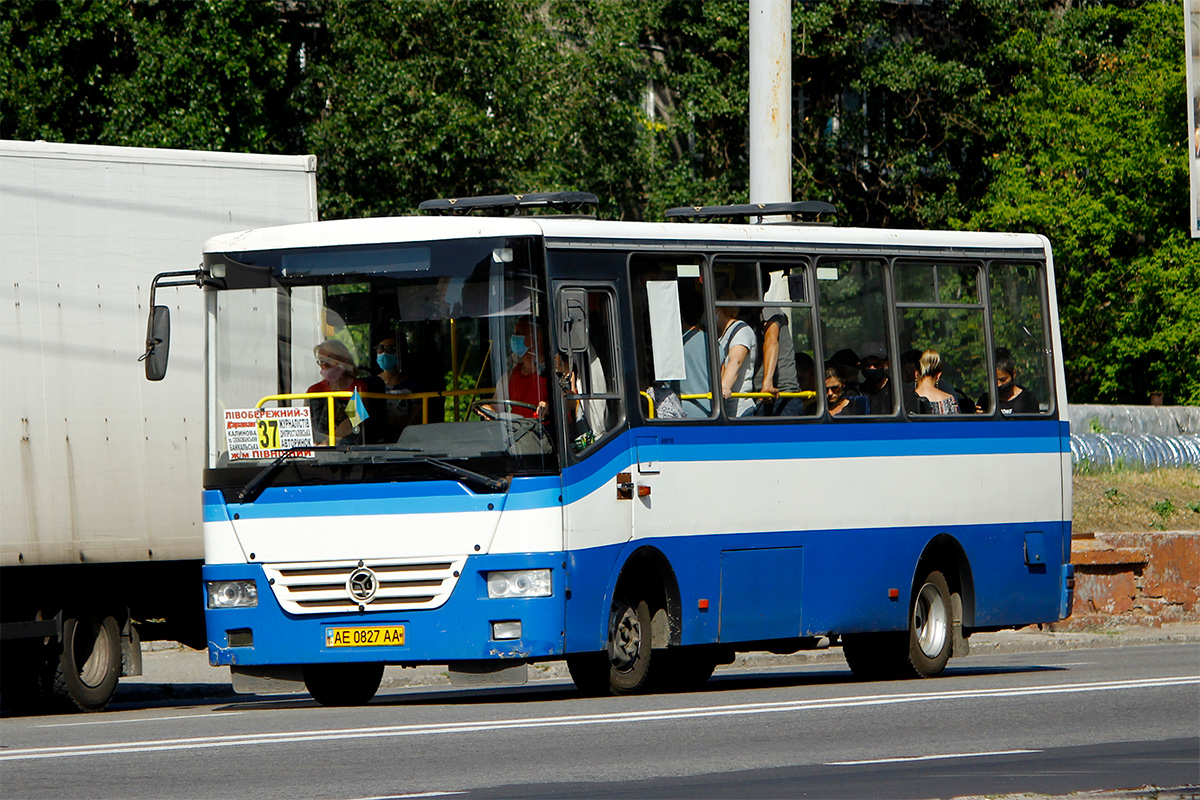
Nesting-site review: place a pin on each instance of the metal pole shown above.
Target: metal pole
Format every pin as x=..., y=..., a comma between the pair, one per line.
x=770, y=101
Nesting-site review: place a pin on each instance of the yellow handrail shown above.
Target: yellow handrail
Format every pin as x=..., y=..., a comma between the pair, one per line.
x=805, y=395
x=424, y=397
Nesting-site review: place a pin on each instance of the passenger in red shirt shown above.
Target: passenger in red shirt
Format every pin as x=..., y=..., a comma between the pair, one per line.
x=337, y=375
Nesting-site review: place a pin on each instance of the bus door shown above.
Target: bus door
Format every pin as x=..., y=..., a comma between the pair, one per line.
x=674, y=366
x=586, y=366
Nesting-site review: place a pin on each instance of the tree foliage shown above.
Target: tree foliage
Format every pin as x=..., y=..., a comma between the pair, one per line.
x=1066, y=119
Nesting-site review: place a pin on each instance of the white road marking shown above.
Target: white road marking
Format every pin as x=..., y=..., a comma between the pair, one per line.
x=620, y=717
x=141, y=719
x=906, y=759
x=409, y=796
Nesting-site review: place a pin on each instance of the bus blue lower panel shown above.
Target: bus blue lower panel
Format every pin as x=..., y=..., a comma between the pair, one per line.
x=458, y=630
x=747, y=587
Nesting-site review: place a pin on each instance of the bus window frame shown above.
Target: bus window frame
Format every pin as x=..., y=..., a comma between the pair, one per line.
x=808, y=261
x=621, y=423
x=1047, y=342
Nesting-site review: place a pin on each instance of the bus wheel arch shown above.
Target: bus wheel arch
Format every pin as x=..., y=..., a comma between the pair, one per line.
x=945, y=555
x=644, y=615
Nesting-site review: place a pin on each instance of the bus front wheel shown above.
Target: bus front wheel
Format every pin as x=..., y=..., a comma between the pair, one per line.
x=625, y=664
x=343, y=684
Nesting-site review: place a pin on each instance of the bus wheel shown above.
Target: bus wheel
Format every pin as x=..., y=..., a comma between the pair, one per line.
x=85, y=674
x=929, y=640
x=342, y=684
x=629, y=646
x=877, y=656
x=683, y=669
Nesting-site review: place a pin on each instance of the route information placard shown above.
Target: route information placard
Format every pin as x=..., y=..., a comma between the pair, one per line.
x=263, y=432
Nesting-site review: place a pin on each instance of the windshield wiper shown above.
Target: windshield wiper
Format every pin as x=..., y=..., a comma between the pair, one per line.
x=250, y=492
x=466, y=475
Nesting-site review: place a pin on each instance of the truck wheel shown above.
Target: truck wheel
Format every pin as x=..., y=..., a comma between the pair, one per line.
x=343, y=684
x=929, y=627
x=85, y=673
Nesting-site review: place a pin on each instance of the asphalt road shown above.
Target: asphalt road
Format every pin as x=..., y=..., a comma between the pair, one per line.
x=1047, y=723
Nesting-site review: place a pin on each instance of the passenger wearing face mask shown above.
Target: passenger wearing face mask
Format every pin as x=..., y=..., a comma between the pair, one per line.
x=1011, y=398
x=876, y=384
x=526, y=381
x=396, y=380
x=338, y=374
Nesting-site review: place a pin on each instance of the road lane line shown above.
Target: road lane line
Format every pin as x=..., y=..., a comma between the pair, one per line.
x=409, y=796
x=619, y=717
x=141, y=719
x=940, y=756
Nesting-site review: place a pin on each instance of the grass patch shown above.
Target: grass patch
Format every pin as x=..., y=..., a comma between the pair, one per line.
x=1129, y=500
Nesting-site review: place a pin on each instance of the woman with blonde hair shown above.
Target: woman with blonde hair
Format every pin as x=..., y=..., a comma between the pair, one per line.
x=928, y=375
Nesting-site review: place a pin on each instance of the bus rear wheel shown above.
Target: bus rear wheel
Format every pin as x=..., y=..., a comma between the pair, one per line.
x=929, y=627
x=343, y=684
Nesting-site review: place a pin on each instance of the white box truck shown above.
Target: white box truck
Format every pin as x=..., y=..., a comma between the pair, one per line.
x=100, y=518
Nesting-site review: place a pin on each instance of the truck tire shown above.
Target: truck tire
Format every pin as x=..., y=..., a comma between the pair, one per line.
x=85, y=673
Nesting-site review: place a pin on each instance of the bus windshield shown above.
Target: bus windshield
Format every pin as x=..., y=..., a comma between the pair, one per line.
x=395, y=357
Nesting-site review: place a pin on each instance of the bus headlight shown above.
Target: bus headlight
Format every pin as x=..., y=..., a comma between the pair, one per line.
x=232, y=594
x=519, y=583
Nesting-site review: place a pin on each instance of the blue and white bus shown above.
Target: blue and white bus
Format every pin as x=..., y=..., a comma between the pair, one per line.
x=484, y=438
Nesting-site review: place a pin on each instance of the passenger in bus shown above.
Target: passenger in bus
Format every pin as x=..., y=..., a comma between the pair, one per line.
x=526, y=381
x=910, y=369
x=338, y=372
x=847, y=363
x=776, y=370
x=940, y=402
x=738, y=349
x=876, y=386
x=837, y=403
x=1011, y=397
x=695, y=357
x=396, y=379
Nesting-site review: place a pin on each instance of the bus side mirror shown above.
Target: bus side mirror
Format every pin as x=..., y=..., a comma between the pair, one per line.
x=572, y=321
x=158, y=343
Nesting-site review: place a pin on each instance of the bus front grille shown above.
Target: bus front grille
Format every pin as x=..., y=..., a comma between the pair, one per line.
x=312, y=588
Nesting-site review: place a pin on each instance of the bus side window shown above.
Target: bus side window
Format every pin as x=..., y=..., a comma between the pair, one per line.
x=1023, y=384
x=671, y=338
x=589, y=378
x=852, y=306
x=939, y=307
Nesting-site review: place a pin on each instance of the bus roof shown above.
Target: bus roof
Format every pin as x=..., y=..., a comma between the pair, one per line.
x=564, y=230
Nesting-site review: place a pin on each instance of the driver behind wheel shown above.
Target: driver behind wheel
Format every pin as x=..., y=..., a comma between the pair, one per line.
x=526, y=381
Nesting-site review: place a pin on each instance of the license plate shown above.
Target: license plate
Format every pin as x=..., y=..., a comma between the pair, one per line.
x=377, y=636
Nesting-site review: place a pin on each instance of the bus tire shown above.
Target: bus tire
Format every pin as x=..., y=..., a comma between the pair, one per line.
x=589, y=671
x=683, y=669
x=930, y=639
x=342, y=684
x=877, y=656
x=85, y=673
x=629, y=646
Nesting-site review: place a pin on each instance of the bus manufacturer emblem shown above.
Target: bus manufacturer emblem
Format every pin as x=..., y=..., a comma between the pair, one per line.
x=362, y=585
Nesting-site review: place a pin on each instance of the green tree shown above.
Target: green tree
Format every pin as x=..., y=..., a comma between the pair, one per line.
x=211, y=74
x=1094, y=157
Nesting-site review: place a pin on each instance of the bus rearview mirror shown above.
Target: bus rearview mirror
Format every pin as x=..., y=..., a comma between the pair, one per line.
x=572, y=326
x=158, y=343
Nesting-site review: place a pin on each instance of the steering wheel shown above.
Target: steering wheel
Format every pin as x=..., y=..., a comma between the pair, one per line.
x=480, y=407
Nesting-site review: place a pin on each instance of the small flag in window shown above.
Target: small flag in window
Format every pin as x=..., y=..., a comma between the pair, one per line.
x=356, y=411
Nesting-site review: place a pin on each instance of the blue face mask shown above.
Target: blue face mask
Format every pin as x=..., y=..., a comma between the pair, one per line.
x=388, y=362
x=518, y=346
